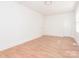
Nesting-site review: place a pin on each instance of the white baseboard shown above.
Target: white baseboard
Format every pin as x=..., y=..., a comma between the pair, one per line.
x=18, y=43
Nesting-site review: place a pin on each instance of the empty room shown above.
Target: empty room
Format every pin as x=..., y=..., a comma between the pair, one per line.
x=39, y=29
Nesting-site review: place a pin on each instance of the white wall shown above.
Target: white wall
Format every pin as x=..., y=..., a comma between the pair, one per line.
x=18, y=24
x=60, y=24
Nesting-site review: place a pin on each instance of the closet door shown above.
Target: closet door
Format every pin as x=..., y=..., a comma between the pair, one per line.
x=69, y=25
x=77, y=23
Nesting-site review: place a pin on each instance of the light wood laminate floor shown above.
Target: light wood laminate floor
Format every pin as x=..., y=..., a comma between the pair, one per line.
x=44, y=47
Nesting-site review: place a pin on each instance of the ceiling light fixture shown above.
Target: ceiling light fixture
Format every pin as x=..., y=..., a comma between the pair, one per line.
x=48, y=3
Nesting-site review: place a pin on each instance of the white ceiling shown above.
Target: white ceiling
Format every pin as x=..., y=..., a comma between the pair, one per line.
x=55, y=8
